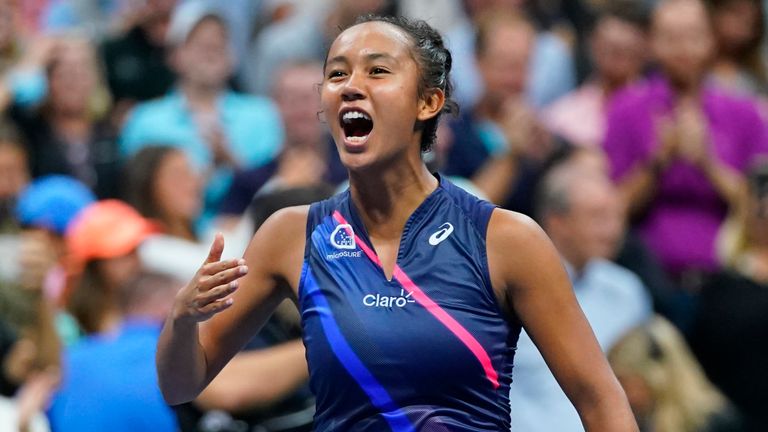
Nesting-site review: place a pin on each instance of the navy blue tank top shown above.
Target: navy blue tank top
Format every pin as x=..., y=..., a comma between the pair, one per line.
x=428, y=350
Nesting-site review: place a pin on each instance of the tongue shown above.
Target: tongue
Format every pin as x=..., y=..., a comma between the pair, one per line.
x=358, y=127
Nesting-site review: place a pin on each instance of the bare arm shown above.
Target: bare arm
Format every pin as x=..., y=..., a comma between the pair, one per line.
x=284, y=367
x=199, y=337
x=536, y=287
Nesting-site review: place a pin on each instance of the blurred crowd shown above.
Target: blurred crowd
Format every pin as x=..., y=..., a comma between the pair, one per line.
x=131, y=131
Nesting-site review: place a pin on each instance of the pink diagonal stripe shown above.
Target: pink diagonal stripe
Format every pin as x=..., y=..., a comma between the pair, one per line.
x=422, y=298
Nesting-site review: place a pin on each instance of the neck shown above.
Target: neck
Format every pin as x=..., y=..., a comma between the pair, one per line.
x=110, y=320
x=200, y=97
x=611, y=86
x=685, y=89
x=578, y=264
x=385, y=198
x=577, y=261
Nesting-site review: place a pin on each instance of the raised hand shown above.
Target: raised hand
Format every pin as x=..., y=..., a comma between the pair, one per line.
x=208, y=292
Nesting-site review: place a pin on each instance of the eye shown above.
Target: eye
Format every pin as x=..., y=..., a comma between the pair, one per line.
x=335, y=74
x=377, y=70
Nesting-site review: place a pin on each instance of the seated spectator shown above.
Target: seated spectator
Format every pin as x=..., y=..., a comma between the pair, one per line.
x=309, y=156
x=499, y=143
x=618, y=51
x=551, y=66
x=739, y=27
x=33, y=261
x=66, y=133
x=731, y=324
x=304, y=36
x=678, y=146
x=219, y=130
x=102, y=244
x=135, y=62
x=44, y=210
x=583, y=216
x=666, y=388
x=162, y=185
x=109, y=382
x=632, y=253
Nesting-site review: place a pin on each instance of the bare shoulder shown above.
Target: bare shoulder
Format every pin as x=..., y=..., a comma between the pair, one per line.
x=279, y=243
x=506, y=226
x=288, y=221
x=519, y=251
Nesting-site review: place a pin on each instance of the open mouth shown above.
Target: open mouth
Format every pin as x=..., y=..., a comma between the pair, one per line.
x=357, y=125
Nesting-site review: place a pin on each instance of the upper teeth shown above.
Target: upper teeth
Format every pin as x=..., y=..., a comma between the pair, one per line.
x=349, y=115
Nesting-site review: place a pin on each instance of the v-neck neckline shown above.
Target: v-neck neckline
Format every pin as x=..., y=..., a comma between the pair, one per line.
x=359, y=227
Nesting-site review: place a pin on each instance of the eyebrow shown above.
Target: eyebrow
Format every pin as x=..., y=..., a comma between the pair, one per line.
x=368, y=57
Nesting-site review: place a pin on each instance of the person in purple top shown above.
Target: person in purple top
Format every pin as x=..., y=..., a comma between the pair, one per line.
x=678, y=147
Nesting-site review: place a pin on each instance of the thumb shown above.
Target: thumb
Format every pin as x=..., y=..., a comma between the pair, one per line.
x=217, y=247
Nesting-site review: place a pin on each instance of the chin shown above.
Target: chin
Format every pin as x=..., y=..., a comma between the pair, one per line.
x=357, y=161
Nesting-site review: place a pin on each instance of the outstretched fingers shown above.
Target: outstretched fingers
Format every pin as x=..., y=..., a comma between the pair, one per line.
x=222, y=275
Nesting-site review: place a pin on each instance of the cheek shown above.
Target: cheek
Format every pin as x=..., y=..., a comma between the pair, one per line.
x=329, y=106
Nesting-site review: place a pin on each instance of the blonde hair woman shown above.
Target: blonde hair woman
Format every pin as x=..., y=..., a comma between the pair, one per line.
x=68, y=133
x=666, y=387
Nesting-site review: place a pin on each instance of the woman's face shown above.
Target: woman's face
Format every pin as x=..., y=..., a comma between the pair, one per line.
x=116, y=271
x=370, y=96
x=205, y=58
x=72, y=77
x=14, y=175
x=736, y=24
x=177, y=188
x=7, y=25
x=682, y=40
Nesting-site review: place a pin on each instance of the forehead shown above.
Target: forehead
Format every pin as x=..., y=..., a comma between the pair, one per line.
x=675, y=14
x=371, y=37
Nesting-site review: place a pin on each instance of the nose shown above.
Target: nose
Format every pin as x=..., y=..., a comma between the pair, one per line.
x=353, y=89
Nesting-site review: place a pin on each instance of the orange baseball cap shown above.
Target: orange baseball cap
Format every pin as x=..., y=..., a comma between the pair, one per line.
x=106, y=229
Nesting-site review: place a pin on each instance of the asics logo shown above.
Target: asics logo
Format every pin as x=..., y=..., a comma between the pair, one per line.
x=343, y=237
x=383, y=301
x=443, y=232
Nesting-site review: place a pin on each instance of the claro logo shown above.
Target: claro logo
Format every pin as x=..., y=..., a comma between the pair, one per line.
x=383, y=301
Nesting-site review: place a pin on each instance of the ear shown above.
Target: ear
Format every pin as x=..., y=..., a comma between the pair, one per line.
x=431, y=104
x=174, y=59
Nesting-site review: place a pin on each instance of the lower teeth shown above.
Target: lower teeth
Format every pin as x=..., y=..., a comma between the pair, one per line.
x=357, y=138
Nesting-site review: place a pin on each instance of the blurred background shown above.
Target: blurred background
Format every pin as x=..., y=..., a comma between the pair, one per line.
x=131, y=131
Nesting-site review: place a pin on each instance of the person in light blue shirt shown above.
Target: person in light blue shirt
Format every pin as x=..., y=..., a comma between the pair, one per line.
x=220, y=130
x=109, y=382
x=580, y=210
